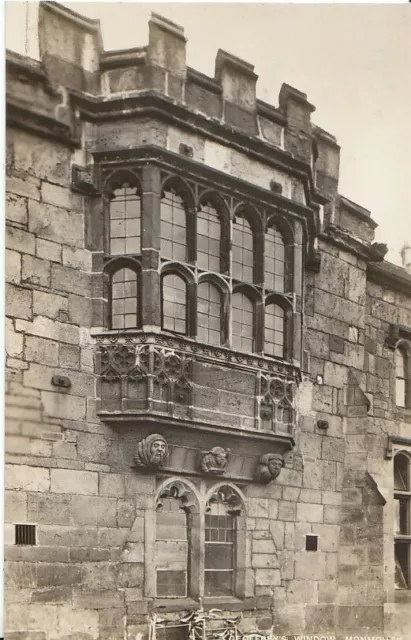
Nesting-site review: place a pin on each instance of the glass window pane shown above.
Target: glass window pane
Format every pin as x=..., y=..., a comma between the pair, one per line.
x=402, y=565
x=124, y=299
x=208, y=239
x=400, y=392
x=274, y=330
x=173, y=234
x=209, y=313
x=243, y=322
x=242, y=250
x=401, y=473
x=174, y=303
x=125, y=221
x=274, y=260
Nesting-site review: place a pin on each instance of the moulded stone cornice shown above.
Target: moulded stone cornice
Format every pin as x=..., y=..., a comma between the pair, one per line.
x=40, y=124
x=391, y=276
x=340, y=238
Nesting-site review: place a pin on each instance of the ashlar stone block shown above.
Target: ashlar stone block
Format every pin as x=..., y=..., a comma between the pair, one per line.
x=74, y=482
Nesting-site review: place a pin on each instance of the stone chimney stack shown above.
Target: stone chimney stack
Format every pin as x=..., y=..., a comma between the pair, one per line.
x=406, y=256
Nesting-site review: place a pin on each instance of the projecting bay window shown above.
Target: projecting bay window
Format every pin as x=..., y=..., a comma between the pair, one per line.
x=402, y=520
x=225, y=266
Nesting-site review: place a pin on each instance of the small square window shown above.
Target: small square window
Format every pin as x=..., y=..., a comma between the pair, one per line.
x=25, y=534
x=311, y=543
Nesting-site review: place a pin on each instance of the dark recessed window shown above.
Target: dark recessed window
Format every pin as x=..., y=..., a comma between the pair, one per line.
x=25, y=534
x=311, y=543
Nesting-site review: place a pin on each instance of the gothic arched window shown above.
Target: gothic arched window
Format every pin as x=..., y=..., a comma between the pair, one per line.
x=172, y=552
x=209, y=313
x=124, y=299
x=173, y=234
x=223, y=521
x=242, y=322
x=274, y=330
x=174, y=303
x=125, y=220
x=242, y=250
x=208, y=239
x=275, y=260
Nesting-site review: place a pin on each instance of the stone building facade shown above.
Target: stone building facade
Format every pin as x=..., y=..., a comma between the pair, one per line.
x=208, y=359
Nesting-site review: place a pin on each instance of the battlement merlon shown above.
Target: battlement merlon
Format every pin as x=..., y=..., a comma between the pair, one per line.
x=73, y=61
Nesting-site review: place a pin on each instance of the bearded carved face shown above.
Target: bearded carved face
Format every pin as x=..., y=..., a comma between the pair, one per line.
x=151, y=452
x=157, y=452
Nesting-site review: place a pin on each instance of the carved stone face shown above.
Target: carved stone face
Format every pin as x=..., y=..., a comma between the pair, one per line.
x=275, y=465
x=220, y=457
x=157, y=451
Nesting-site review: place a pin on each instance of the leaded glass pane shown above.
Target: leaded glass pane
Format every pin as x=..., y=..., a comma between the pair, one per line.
x=209, y=313
x=124, y=299
x=173, y=233
x=274, y=260
x=242, y=250
x=125, y=221
x=174, y=303
x=274, y=330
x=243, y=322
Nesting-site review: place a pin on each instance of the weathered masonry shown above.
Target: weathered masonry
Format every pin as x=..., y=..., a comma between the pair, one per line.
x=208, y=359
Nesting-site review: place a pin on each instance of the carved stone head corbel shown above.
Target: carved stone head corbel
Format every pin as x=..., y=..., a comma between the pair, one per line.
x=214, y=462
x=151, y=452
x=269, y=467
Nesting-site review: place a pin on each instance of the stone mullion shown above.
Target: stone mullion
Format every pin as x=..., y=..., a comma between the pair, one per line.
x=294, y=338
x=150, y=247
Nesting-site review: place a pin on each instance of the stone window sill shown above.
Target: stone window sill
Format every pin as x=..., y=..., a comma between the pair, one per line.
x=165, y=605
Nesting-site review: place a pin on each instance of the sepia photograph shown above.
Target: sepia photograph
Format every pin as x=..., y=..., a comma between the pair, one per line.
x=208, y=321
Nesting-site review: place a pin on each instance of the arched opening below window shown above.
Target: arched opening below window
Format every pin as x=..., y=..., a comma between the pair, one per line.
x=220, y=548
x=125, y=221
x=208, y=239
x=400, y=377
x=124, y=285
x=172, y=547
x=242, y=322
x=209, y=308
x=173, y=234
x=174, y=303
x=274, y=269
x=274, y=330
x=242, y=250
